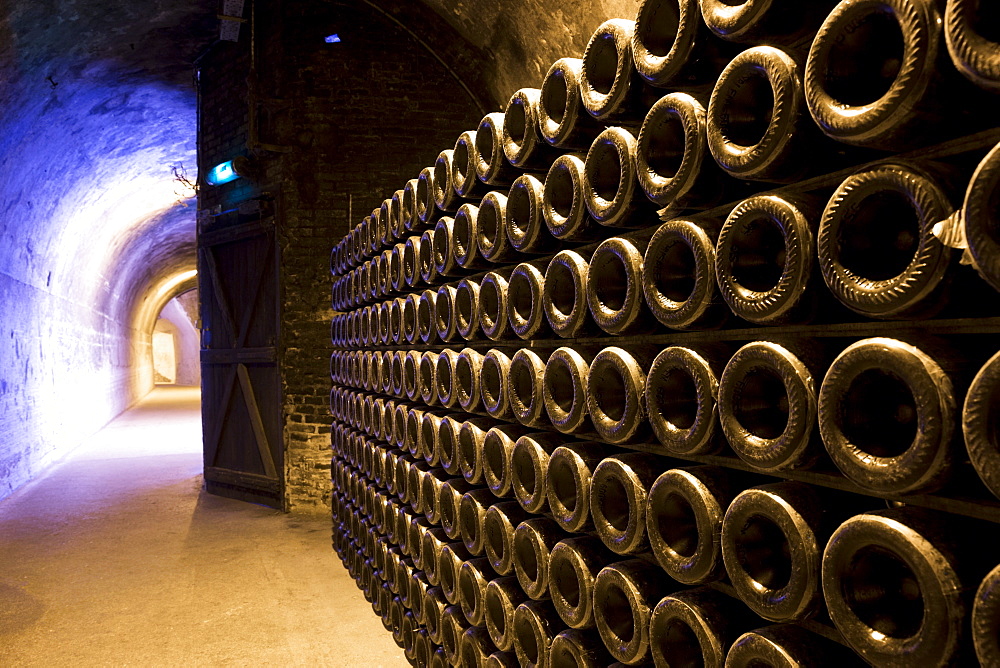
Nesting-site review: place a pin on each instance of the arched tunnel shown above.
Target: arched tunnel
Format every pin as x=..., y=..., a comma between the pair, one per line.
x=98, y=133
x=99, y=169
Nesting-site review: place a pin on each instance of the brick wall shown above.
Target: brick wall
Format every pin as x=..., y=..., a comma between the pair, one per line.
x=356, y=119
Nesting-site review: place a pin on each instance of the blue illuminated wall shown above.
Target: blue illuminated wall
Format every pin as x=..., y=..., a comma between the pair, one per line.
x=97, y=108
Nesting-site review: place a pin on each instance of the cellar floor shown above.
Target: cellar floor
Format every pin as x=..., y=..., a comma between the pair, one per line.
x=117, y=558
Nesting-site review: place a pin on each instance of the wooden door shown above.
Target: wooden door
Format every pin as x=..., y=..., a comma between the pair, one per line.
x=241, y=384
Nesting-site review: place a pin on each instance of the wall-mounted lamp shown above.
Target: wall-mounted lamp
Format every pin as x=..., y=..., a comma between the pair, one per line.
x=227, y=171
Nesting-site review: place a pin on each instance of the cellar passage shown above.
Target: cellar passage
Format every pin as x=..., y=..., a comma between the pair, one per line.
x=97, y=163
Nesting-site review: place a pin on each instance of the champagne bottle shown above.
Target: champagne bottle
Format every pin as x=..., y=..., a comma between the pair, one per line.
x=567, y=483
x=615, y=389
x=529, y=461
x=564, y=390
x=501, y=598
x=573, y=567
x=524, y=299
x=887, y=416
x=684, y=514
x=618, y=494
x=979, y=414
x=535, y=625
x=524, y=382
x=876, y=244
x=697, y=625
x=532, y=544
x=894, y=582
x=625, y=594
x=764, y=259
x=767, y=407
x=614, y=287
x=564, y=295
x=790, y=644
x=562, y=119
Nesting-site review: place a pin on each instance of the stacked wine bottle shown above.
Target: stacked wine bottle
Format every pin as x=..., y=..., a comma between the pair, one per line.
x=690, y=355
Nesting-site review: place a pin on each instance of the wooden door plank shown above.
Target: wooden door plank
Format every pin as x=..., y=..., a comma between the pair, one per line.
x=212, y=443
x=252, y=304
x=220, y=296
x=243, y=479
x=236, y=232
x=244, y=355
x=256, y=422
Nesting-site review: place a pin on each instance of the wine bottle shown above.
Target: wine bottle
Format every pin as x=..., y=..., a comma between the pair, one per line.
x=764, y=259
x=529, y=461
x=471, y=517
x=615, y=387
x=501, y=598
x=610, y=88
x=767, y=407
x=524, y=386
x=681, y=391
x=772, y=544
x=625, y=594
x=524, y=297
x=523, y=143
x=573, y=567
x=790, y=644
x=476, y=647
x=876, y=244
x=492, y=166
x=986, y=619
x=757, y=125
x=610, y=181
x=449, y=504
x=501, y=519
x=894, y=583
x=564, y=295
x=979, y=218
x=470, y=448
x=877, y=74
x=697, y=626
x=618, y=494
x=562, y=119
x=495, y=384
x=526, y=228
x=473, y=577
x=564, y=390
x=492, y=242
x=445, y=323
x=574, y=647
x=445, y=197
x=535, y=625
x=887, y=416
x=564, y=204
x=493, y=306
x=468, y=367
x=567, y=482
x=614, y=287
x=427, y=210
x=498, y=447
x=979, y=414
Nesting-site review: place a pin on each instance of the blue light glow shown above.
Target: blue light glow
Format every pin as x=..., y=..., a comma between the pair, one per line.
x=332, y=39
x=222, y=173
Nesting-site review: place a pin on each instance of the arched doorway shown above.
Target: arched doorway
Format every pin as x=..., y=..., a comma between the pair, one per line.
x=176, y=342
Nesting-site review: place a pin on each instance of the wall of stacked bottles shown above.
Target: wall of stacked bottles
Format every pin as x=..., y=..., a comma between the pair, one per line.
x=691, y=353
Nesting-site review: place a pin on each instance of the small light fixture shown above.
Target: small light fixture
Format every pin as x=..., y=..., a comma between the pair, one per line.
x=227, y=171
x=332, y=39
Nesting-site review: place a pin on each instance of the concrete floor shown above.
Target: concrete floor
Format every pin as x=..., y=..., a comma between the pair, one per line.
x=117, y=558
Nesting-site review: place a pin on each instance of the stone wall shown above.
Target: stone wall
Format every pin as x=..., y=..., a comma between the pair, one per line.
x=337, y=125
